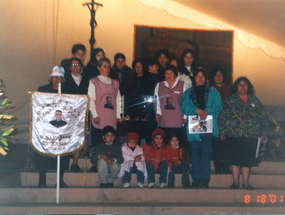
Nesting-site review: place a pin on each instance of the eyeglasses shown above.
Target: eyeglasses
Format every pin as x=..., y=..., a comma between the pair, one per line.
x=106, y=67
x=75, y=64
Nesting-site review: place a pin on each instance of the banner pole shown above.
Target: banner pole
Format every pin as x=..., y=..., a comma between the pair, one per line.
x=58, y=163
x=57, y=183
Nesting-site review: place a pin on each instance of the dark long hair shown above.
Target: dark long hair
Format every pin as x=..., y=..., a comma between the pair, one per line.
x=196, y=72
x=195, y=61
x=250, y=90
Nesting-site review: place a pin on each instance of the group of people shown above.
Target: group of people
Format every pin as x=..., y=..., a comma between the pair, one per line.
x=181, y=89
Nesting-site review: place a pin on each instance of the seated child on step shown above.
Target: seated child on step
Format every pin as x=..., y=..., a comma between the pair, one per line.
x=108, y=157
x=156, y=158
x=179, y=160
x=134, y=161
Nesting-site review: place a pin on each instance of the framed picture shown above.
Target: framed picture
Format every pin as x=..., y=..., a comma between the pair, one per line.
x=198, y=126
x=213, y=48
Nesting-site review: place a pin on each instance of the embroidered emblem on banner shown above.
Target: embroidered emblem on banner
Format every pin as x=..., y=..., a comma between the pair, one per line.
x=58, y=122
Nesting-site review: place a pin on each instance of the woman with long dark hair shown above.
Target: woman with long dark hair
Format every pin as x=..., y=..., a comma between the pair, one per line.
x=241, y=122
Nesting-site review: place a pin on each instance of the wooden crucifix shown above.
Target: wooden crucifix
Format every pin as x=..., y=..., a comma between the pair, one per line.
x=93, y=24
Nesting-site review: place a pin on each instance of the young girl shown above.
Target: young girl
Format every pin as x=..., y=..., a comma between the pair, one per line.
x=180, y=160
x=156, y=158
x=134, y=161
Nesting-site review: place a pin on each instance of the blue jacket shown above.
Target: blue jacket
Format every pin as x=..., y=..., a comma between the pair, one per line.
x=214, y=106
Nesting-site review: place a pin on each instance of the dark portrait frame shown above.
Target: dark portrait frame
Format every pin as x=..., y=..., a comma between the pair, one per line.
x=215, y=47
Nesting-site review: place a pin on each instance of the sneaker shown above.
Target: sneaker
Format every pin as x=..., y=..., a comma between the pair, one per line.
x=150, y=185
x=162, y=185
x=126, y=185
x=103, y=185
x=75, y=168
x=170, y=185
x=140, y=185
x=186, y=185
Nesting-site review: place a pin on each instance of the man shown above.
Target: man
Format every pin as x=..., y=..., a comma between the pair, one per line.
x=76, y=84
x=78, y=51
x=58, y=122
x=43, y=163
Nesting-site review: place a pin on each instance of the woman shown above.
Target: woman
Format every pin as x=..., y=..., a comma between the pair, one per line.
x=220, y=148
x=187, y=64
x=121, y=72
x=91, y=70
x=201, y=100
x=241, y=122
x=168, y=109
x=105, y=101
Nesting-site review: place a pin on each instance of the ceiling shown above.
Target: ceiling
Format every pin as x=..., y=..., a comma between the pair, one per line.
x=263, y=18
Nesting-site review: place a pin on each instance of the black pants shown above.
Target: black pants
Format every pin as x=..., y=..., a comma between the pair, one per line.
x=220, y=156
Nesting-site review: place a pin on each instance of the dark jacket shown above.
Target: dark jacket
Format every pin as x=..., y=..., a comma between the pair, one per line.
x=111, y=151
x=73, y=88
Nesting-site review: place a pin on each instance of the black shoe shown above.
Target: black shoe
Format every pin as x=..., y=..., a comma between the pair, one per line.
x=234, y=186
x=110, y=185
x=170, y=185
x=204, y=186
x=103, y=185
x=195, y=186
x=187, y=185
x=42, y=185
x=75, y=168
x=248, y=187
x=63, y=185
x=93, y=169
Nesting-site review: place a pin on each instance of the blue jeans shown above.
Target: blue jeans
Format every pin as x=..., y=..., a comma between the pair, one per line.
x=162, y=170
x=201, y=159
x=182, y=168
x=128, y=175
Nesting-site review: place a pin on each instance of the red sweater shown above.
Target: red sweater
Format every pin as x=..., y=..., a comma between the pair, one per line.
x=151, y=151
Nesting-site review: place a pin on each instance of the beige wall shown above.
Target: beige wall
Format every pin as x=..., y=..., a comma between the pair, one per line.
x=31, y=45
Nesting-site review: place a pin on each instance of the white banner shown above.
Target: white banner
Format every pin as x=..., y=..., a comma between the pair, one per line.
x=58, y=122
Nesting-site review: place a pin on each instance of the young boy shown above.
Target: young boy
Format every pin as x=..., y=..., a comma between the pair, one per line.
x=156, y=158
x=108, y=157
x=134, y=161
x=78, y=51
x=179, y=160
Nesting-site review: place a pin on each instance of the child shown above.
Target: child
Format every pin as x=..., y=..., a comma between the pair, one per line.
x=108, y=157
x=134, y=161
x=180, y=160
x=156, y=158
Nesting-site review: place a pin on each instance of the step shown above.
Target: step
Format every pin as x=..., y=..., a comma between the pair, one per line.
x=115, y=208
x=143, y=195
x=264, y=167
x=91, y=179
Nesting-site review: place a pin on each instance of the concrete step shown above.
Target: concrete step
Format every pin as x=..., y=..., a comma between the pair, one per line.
x=143, y=196
x=149, y=208
x=91, y=180
x=264, y=167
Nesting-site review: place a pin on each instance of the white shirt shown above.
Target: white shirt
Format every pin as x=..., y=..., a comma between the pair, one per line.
x=92, y=95
x=77, y=79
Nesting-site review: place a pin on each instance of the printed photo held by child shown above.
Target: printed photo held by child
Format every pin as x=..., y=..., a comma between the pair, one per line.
x=179, y=162
x=134, y=161
x=156, y=158
x=108, y=157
